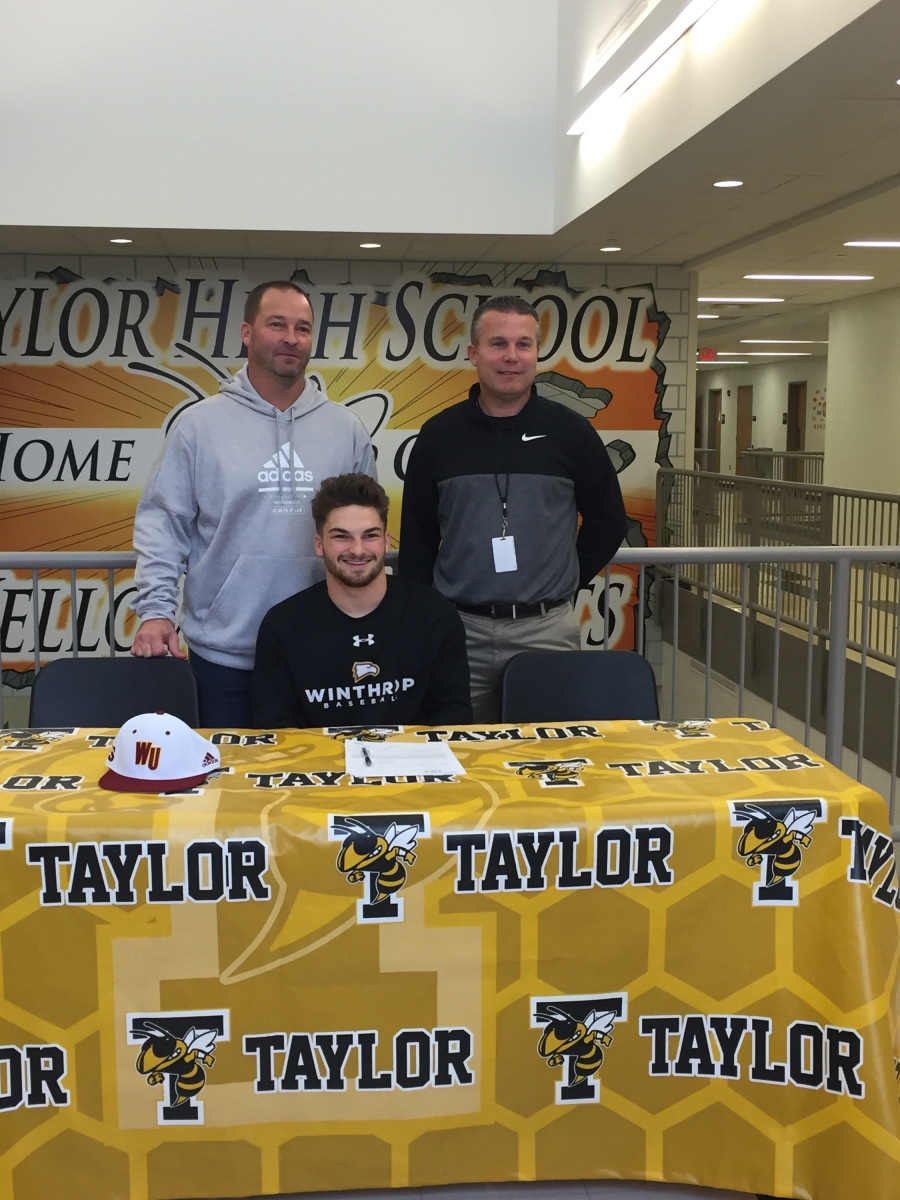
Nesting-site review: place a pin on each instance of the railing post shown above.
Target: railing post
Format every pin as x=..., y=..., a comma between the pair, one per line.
x=661, y=511
x=826, y=519
x=837, y=661
x=701, y=494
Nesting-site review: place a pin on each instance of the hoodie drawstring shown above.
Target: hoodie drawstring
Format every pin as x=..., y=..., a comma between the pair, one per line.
x=285, y=455
x=278, y=466
x=241, y=390
x=291, y=456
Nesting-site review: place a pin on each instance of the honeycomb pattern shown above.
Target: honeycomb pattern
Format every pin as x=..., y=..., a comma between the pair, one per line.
x=302, y=962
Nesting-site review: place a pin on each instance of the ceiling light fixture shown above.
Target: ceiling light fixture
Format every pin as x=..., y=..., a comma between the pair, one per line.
x=725, y=362
x=689, y=15
x=707, y=316
x=726, y=183
x=781, y=342
x=121, y=241
x=740, y=299
x=841, y=278
x=777, y=353
x=370, y=245
x=885, y=245
x=609, y=249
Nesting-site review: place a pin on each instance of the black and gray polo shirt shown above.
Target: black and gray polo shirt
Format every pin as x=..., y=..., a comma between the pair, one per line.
x=557, y=469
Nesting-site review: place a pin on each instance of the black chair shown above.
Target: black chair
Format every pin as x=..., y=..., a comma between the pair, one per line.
x=578, y=685
x=105, y=692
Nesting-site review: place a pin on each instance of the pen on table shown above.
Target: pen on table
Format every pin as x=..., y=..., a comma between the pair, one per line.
x=367, y=758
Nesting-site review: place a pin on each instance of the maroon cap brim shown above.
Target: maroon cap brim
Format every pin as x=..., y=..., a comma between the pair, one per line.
x=114, y=782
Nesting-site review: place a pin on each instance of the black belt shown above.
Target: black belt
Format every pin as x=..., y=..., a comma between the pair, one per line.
x=514, y=612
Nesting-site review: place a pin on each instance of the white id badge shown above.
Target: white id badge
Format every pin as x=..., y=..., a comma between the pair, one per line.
x=504, y=554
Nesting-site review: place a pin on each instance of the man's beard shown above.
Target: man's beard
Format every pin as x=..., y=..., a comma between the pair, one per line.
x=335, y=567
x=283, y=370
x=287, y=372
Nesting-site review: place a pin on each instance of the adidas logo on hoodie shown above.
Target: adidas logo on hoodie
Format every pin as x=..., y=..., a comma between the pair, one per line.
x=274, y=474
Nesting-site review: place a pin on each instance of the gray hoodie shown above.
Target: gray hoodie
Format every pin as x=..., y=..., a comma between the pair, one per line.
x=228, y=505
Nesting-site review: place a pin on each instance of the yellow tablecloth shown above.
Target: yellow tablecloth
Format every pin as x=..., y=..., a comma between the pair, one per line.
x=618, y=950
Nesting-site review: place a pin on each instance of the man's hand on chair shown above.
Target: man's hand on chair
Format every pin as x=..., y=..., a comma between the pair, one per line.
x=155, y=638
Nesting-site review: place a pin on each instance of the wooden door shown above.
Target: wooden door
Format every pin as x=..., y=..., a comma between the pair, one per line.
x=714, y=427
x=744, y=433
x=796, y=422
x=796, y=429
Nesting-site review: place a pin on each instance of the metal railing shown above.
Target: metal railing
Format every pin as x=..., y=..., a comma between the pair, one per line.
x=699, y=508
x=785, y=624
x=704, y=459
x=695, y=508
x=796, y=466
x=74, y=577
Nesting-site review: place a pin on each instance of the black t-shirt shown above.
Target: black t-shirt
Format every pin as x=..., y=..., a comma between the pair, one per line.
x=403, y=664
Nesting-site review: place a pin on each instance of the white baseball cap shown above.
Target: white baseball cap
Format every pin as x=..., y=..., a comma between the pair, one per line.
x=156, y=752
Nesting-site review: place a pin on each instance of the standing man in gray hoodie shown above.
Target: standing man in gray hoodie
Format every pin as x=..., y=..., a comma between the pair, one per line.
x=228, y=504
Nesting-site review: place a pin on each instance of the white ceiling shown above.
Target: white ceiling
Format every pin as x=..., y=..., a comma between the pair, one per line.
x=818, y=148
x=815, y=135
x=293, y=114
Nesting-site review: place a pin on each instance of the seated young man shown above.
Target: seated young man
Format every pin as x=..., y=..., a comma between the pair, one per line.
x=362, y=646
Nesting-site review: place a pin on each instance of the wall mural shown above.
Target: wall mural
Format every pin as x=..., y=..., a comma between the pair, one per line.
x=94, y=373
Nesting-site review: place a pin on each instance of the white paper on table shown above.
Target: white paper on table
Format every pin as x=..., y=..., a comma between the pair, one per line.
x=400, y=758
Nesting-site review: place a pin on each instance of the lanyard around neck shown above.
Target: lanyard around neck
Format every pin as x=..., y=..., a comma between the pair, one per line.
x=503, y=492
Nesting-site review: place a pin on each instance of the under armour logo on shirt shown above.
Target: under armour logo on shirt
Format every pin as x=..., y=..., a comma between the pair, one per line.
x=359, y=640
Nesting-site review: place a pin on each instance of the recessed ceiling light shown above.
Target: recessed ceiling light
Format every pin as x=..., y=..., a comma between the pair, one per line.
x=725, y=362
x=858, y=278
x=121, y=241
x=707, y=316
x=609, y=249
x=741, y=299
x=885, y=245
x=729, y=183
x=777, y=353
x=370, y=245
x=781, y=342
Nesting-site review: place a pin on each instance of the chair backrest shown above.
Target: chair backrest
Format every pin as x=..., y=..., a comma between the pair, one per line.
x=105, y=692
x=579, y=685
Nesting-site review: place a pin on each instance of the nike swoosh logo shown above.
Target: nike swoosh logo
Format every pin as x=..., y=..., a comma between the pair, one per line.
x=532, y=437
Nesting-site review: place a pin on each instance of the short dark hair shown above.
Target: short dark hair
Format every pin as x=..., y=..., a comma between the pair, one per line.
x=339, y=491
x=254, y=298
x=503, y=304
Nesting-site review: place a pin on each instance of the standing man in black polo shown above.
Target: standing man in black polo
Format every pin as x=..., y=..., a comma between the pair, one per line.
x=494, y=489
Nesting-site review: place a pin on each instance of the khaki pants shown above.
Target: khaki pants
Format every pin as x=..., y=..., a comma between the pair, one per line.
x=491, y=643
